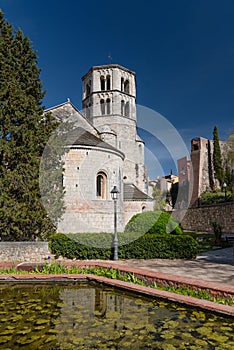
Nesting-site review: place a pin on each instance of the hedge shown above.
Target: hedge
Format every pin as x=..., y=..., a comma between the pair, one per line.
x=148, y=246
x=157, y=222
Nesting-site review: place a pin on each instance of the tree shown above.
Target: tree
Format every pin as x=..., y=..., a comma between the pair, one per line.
x=24, y=132
x=160, y=199
x=217, y=158
x=210, y=167
x=230, y=164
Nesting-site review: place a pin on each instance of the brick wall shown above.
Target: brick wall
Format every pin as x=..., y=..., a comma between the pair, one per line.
x=201, y=218
x=24, y=251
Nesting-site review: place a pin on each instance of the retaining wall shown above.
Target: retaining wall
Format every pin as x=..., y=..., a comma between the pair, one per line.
x=24, y=251
x=201, y=218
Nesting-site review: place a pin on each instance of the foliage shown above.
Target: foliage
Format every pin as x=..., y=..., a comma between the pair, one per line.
x=174, y=193
x=24, y=132
x=113, y=273
x=159, y=197
x=217, y=231
x=153, y=222
x=148, y=246
x=210, y=167
x=209, y=198
x=217, y=158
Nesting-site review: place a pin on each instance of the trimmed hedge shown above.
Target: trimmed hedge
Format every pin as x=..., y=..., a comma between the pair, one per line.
x=157, y=222
x=148, y=246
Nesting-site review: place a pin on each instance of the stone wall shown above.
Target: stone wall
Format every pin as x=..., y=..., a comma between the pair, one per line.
x=24, y=251
x=201, y=218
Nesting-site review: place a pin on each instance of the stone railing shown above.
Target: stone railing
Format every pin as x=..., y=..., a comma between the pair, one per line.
x=24, y=251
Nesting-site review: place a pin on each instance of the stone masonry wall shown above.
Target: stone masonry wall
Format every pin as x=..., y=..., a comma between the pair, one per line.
x=24, y=251
x=201, y=218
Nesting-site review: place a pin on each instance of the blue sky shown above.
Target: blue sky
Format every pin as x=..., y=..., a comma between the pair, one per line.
x=182, y=52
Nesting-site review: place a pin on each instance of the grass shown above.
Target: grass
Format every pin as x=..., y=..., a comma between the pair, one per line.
x=55, y=268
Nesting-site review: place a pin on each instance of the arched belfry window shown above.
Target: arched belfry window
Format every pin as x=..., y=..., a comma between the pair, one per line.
x=127, y=109
x=122, y=107
x=126, y=86
x=122, y=84
x=102, y=82
x=102, y=104
x=88, y=88
x=101, y=183
x=108, y=82
x=108, y=109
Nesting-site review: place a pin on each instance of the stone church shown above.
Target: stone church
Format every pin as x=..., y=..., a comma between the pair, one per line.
x=104, y=151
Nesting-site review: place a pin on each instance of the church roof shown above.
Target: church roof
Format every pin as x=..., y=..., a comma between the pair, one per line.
x=132, y=193
x=82, y=137
x=106, y=66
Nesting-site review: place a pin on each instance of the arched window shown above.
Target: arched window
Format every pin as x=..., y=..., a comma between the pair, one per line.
x=101, y=182
x=108, y=82
x=102, y=82
x=88, y=88
x=122, y=107
x=102, y=103
x=122, y=84
x=108, y=106
x=127, y=109
x=126, y=86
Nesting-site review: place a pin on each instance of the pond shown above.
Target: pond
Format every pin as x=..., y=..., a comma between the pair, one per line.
x=90, y=316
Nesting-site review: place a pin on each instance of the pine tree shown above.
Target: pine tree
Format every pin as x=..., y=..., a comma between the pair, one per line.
x=24, y=132
x=217, y=158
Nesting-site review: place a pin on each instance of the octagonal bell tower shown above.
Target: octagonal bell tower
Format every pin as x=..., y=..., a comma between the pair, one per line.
x=109, y=103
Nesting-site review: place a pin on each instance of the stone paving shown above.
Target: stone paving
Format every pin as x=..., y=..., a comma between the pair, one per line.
x=214, y=266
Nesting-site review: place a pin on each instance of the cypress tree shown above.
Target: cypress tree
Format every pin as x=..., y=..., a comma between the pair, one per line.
x=217, y=158
x=24, y=132
x=210, y=168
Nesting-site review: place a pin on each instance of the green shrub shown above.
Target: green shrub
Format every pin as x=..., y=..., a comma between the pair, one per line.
x=148, y=246
x=209, y=198
x=157, y=222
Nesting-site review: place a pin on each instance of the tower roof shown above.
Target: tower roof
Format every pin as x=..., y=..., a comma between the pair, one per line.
x=106, y=66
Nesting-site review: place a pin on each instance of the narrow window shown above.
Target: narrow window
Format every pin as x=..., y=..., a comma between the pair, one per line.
x=108, y=82
x=108, y=106
x=122, y=84
x=102, y=81
x=122, y=107
x=102, y=103
x=127, y=109
x=101, y=185
x=126, y=86
x=88, y=89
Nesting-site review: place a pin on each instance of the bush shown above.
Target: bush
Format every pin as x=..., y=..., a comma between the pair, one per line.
x=148, y=246
x=157, y=222
x=209, y=198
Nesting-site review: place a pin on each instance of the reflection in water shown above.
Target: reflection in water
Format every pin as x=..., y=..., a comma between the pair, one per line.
x=93, y=317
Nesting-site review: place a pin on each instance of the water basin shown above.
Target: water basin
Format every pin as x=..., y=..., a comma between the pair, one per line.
x=90, y=316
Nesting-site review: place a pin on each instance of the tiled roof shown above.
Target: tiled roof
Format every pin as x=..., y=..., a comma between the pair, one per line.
x=82, y=137
x=131, y=192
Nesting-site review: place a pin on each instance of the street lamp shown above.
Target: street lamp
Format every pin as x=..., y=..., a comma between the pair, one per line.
x=114, y=195
x=225, y=190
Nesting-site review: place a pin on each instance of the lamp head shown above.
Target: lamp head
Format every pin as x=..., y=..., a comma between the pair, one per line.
x=114, y=193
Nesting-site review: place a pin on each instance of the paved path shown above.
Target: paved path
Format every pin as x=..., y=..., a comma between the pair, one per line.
x=215, y=266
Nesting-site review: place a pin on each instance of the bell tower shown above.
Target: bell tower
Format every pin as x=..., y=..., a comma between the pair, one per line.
x=109, y=104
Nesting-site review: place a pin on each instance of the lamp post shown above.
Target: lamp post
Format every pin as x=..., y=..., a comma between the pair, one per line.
x=225, y=190
x=114, y=195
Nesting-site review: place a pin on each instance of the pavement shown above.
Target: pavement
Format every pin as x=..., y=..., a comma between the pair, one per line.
x=216, y=265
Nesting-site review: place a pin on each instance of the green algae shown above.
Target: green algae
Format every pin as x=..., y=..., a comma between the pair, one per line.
x=91, y=317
